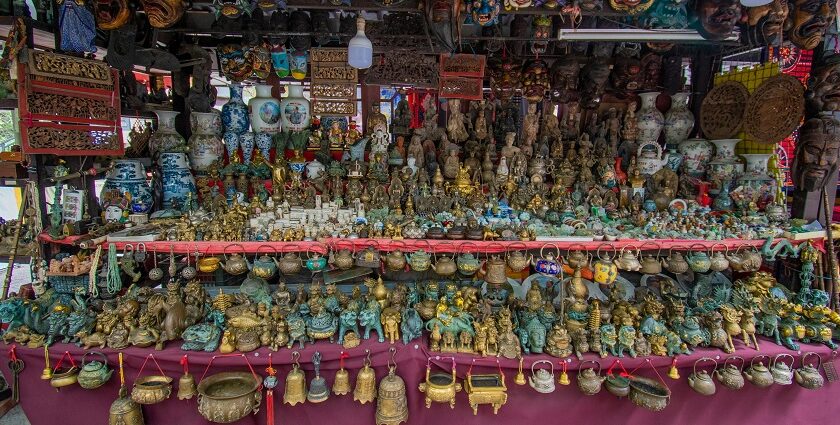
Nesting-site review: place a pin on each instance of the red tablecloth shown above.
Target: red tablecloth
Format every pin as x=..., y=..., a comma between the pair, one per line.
x=750, y=405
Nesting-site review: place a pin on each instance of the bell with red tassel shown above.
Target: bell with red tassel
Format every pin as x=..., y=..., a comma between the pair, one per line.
x=186, y=385
x=269, y=383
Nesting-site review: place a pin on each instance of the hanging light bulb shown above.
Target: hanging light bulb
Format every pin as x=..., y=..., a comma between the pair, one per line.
x=360, y=49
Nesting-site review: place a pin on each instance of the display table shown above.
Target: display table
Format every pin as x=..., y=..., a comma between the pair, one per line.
x=77, y=406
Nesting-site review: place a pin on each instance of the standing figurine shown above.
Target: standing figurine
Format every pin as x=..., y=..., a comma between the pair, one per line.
x=455, y=126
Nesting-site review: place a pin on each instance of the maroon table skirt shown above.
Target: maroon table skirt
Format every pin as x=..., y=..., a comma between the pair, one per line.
x=751, y=405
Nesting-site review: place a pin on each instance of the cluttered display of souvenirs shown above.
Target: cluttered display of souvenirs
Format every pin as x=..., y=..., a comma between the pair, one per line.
x=576, y=200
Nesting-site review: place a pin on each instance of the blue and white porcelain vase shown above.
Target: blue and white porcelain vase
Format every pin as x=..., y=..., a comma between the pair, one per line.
x=295, y=109
x=231, y=142
x=129, y=176
x=247, y=143
x=675, y=158
x=166, y=138
x=265, y=111
x=206, y=146
x=678, y=121
x=178, y=181
x=264, y=142
x=235, y=112
x=649, y=120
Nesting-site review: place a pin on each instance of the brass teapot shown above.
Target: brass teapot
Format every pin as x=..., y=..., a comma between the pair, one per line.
x=445, y=266
x=541, y=380
x=675, y=263
x=577, y=259
x=702, y=381
x=809, y=376
x=759, y=374
x=717, y=259
x=236, y=264
x=730, y=375
x=517, y=260
x=420, y=260
x=291, y=263
x=264, y=266
x=698, y=261
x=745, y=261
x=628, y=260
x=368, y=257
x=495, y=270
x=342, y=259
x=468, y=264
x=94, y=374
x=395, y=260
x=782, y=372
x=650, y=263
x=589, y=381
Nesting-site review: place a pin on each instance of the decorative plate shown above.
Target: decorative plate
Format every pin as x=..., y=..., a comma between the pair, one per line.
x=722, y=111
x=775, y=109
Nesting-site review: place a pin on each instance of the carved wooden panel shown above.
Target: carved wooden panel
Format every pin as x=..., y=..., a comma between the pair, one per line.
x=462, y=65
x=333, y=90
x=461, y=88
x=334, y=107
x=404, y=67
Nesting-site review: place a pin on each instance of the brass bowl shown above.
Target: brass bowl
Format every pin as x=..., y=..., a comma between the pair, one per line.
x=649, y=393
x=64, y=377
x=209, y=264
x=228, y=396
x=151, y=389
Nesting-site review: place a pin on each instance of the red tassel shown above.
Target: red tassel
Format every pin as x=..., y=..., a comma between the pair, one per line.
x=269, y=407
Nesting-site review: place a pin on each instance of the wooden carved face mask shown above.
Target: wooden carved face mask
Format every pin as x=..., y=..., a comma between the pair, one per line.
x=815, y=158
x=163, y=13
x=808, y=21
x=766, y=23
x=716, y=19
x=824, y=88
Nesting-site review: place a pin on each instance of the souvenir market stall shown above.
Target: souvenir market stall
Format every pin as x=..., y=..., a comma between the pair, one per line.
x=404, y=212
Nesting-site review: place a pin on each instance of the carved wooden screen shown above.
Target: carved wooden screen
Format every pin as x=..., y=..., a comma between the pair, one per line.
x=461, y=76
x=334, y=82
x=69, y=106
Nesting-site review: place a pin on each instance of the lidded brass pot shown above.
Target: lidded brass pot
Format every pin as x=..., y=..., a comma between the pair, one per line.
x=295, y=383
x=365, y=390
x=702, y=381
x=577, y=259
x=420, y=260
x=392, y=405
x=264, y=267
x=759, y=374
x=368, y=257
x=589, y=380
x=718, y=260
x=495, y=270
x=468, y=264
x=290, y=263
x=808, y=376
x=730, y=375
x=341, y=258
x=675, y=263
x=440, y=387
x=628, y=260
x=650, y=263
x=395, y=260
x=445, y=265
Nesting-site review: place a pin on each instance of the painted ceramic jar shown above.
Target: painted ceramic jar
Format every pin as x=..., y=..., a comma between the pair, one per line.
x=725, y=149
x=129, y=175
x=265, y=111
x=206, y=146
x=166, y=138
x=675, y=158
x=719, y=172
x=756, y=163
x=264, y=142
x=178, y=181
x=696, y=155
x=295, y=109
x=678, y=121
x=235, y=116
x=649, y=120
x=247, y=143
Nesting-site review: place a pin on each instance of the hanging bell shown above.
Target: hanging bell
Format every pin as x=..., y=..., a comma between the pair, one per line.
x=318, y=389
x=564, y=376
x=341, y=384
x=365, y=390
x=295, y=383
x=519, y=379
x=673, y=373
x=186, y=385
x=392, y=406
x=124, y=410
x=46, y=374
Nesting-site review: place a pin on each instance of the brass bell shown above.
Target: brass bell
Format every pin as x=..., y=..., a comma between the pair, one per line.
x=673, y=373
x=318, y=389
x=392, y=406
x=46, y=374
x=341, y=384
x=186, y=385
x=124, y=410
x=365, y=390
x=519, y=379
x=295, y=383
x=564, y=377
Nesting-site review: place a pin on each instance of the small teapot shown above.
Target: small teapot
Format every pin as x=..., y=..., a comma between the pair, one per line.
x=753, y=258
x=782, y=373
x=495, y=270
x=342, y=259
x=541, y=380
x=315, y=262
x=604, y=271
x=675, y=263
x=264, y=266
x=698, y=261
x=809, y=376
x=650, y=263
x=290, y=263
x=759, y=374
x=577, y=259
x=368, y=257
x=701, y=381
x=628, y=260
x=395, y=260
x=589, y=381
x=518, y=261
x=94, y=374
x=236, y=264
x=548, y=265
x=717, y=260
x=730, y=375
x=468, y=264
x=445, y=266
x=744, y=261
x=420, y=260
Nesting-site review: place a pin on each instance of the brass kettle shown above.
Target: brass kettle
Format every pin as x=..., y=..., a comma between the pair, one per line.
x=782, y=372
x=291, y=263
x=717, y=259
x=295, y=383
x=495, y=270
x=698, y=260
x=759, y=374
x=702, y=381
x=577, y=259
x=445, y=266
x=730, y=375
x=342, y=259
x=808, y=376
x=628, y=260
x=675, y=263
x=468, y=264
x=517, y=260
x=94, y=374
x=419, y=260
x=264, y=267
x=395, y=260
x=589, y=380
x=541, y=380
x=236, y=264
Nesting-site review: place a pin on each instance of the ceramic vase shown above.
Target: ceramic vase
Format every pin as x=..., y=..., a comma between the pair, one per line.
x=178, y=182
x=206, y=145
x=722, y=201
x=264, y=142
x=675, y=158
x=166, y=138
x=678, y=121
x=725, y=149
x=265, y=111
x=129, y=176
x=649, y=120
x=247, y=143
x=295, y=109
x=756, y=163
x=314, y=169
x=696, y=155
x=235, y=112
